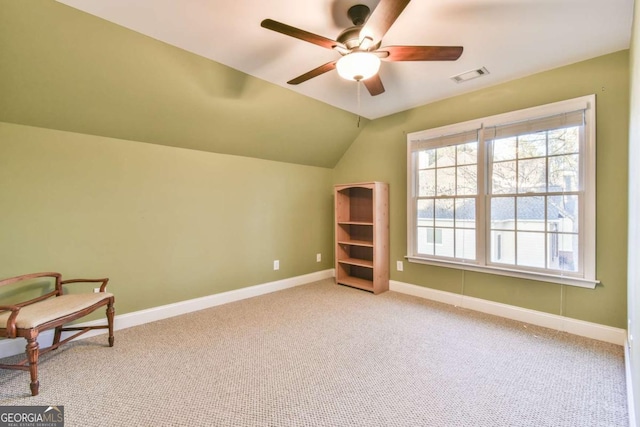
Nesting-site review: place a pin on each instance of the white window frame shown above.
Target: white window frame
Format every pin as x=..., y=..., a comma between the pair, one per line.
x=587, y=277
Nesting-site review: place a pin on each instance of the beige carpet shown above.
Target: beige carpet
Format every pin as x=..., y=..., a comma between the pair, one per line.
x=327, y=355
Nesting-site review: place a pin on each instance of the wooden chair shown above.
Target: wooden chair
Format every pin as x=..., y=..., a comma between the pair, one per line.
x=50, y=311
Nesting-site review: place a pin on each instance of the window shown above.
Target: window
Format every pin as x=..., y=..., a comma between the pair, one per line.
x=510, y=194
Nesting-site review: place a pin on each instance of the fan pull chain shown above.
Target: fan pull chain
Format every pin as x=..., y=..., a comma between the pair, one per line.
x=358, y=83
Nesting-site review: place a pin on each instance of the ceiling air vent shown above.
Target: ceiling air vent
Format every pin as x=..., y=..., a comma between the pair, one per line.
x=473, y=74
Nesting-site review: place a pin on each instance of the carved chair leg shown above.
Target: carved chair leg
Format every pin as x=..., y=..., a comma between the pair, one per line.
x=33, y=350
x=110, y=313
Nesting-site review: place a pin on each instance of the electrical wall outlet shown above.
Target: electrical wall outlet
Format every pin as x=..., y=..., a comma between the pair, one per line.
x=96, y=290
x=318, y=257
x=399, y=266
x=276, y=265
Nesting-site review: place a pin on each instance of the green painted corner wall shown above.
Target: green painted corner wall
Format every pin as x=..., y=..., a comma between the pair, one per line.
x=169, y=224
x=164, y=224
x=379, y=153
x=64, y=69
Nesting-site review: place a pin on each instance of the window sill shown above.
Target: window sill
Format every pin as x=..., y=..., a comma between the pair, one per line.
x=561, y=280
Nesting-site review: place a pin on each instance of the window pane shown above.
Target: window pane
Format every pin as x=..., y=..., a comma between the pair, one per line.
x=446, y=247
x=564, y=141
x=467, y=180
x=425, y=213
x=503, y=178
x=466, y=244
x=531, y=249
x=427, y=159
x=568, y=252
x=444, y=213
x=446, y=156
x=468, y=153
x=503, y=247
x=503, y=213
x=446, y=181
x=465, y=213
x=563, y=251
x=532, y=176
x=531, y=213
x=426, y=183
x=564, y=173
x=504, y=149
x=562, y=214
x=533, y=145
x=423, y=246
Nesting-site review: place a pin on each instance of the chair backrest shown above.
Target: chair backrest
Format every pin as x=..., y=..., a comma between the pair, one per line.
x=56, y=292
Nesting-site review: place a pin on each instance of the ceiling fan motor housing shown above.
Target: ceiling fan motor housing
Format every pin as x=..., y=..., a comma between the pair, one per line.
x=350, y=37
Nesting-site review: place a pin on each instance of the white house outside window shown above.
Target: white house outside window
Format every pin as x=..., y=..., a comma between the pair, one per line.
x=510, y=194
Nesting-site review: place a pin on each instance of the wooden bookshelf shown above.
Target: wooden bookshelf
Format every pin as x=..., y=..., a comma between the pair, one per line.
x=362, y=236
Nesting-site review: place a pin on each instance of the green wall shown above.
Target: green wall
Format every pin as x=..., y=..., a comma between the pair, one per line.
x=164, y=224
x=379, y=153
x=170, y=224
x=634, y=216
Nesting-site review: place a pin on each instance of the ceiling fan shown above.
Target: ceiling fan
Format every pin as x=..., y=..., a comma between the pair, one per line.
x=360, y=45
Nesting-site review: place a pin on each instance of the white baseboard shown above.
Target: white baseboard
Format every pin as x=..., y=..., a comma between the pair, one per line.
x=10, y=347
x=630, y=399
x=552, y=321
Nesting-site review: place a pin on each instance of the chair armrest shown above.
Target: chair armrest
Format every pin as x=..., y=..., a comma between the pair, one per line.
x=11, y=321
x=102, y=287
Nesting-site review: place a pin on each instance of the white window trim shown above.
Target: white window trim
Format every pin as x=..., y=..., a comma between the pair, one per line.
x=586, y=103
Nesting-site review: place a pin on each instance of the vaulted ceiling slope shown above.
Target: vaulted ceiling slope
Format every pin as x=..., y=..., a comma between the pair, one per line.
x=65, y=69
x=511, y=38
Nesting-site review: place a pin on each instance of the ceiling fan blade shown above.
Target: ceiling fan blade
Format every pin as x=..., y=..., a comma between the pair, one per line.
x=421, y=53
x=288, y=30
x=374, y=85
x=313, y=73
x=382, y=18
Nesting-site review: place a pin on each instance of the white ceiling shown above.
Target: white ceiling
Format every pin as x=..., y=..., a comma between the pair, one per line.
x=511, y=38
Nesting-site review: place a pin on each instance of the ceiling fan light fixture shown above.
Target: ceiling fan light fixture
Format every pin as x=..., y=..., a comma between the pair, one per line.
x=358, y=66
